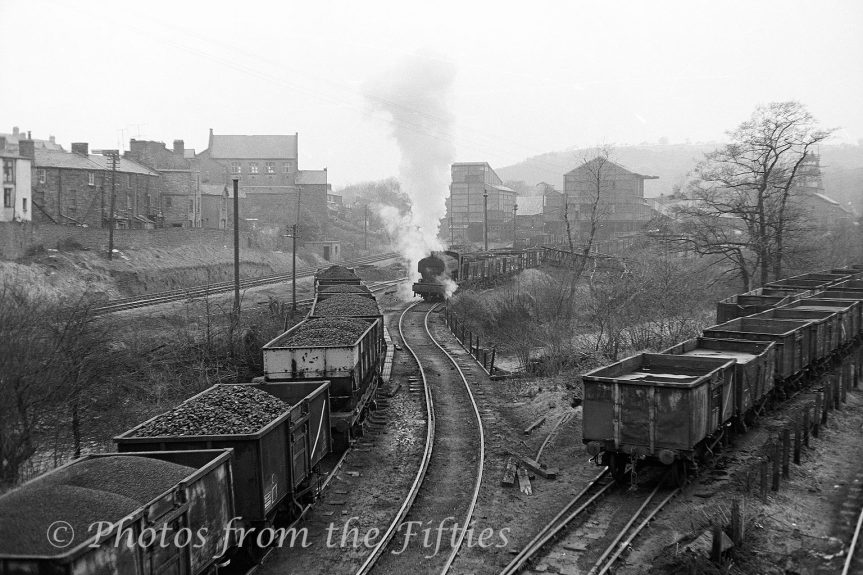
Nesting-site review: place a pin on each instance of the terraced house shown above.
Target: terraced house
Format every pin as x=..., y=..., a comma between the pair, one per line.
x=74, y=188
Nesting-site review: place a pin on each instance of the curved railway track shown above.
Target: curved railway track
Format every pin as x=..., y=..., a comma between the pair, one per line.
x=595, y=493
x=455, y=447
x=854, y=558
x=221, y=287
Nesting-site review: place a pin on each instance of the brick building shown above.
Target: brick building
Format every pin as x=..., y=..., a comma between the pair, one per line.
x=17, y=205
x=180, y=203
x=465, y=210
x=622, y=208
x=74, y=188
x=271, y=183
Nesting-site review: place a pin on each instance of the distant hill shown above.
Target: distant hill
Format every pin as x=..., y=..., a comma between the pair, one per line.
x=842, y=167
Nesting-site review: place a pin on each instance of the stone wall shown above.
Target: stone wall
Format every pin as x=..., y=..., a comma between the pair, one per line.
x=17, y=238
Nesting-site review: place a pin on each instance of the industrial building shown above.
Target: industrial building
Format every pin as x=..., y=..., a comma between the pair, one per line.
x=474, y=183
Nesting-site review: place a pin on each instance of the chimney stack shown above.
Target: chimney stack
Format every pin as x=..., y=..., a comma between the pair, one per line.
x=2, y=143
x=27, y=149
x=51, y=139
x=29, y=137
x=81, y=148
x=179, y=147
x=15, y=130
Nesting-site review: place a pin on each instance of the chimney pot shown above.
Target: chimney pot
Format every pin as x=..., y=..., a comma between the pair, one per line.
x=81, y=148
x=29, y=137
x=15, y=130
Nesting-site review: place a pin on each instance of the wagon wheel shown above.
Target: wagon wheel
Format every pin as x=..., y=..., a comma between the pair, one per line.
x=617, y=466
x=679, y=471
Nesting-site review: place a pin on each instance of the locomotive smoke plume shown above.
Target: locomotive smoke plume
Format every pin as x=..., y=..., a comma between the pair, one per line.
x=414, y=96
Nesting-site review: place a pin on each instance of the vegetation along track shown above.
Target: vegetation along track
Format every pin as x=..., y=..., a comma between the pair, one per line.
x=608, y=501
x=222, y=287
x=444, y=494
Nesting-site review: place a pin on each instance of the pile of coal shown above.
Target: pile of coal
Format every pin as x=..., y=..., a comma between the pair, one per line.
x=344, y=289
x=99, y=489
x=326, y=332
x=346, y=305
x=337, y=273
x=221, y=410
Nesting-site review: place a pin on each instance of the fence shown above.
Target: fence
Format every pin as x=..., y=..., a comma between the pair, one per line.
x=483, y=356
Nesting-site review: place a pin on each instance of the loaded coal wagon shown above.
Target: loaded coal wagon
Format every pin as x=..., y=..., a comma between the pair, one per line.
x=46, y=523
x=278, y=437
x=345, y=351
x=336, y=275
x=655, y=407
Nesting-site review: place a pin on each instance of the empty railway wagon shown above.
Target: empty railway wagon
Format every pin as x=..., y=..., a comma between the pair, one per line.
x=767, y=343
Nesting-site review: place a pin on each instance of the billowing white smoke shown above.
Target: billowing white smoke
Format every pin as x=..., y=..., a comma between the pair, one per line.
x=414, y=96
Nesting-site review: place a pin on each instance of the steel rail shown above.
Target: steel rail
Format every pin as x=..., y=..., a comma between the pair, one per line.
x=481, y=463
x=219, y=287
x=551, y=434
x=375, y=554
x=846, y=569
x=634, y=534
x=554, y=526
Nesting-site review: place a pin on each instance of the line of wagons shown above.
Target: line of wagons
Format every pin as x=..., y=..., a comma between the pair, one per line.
x=462, y=267
x=234, y=457
x=672, y=408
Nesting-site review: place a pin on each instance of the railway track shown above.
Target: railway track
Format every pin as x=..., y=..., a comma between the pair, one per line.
x=598, y=491
x=442, y=494
x=221, y=287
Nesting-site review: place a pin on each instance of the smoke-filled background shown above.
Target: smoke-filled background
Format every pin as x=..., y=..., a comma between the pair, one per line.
x=414, y=97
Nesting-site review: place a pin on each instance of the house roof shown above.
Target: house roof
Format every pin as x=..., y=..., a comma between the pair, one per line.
x=309, y=177
x=126, y=165
x=502, y=188
x=529, y=205
x=62, y=159
x=253, y=147
x=596, y=159
x=12, y=141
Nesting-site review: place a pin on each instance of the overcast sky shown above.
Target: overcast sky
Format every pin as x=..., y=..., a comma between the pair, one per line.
x=529, y=77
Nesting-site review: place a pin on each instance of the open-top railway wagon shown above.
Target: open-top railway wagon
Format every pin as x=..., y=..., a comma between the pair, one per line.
x=774, y=339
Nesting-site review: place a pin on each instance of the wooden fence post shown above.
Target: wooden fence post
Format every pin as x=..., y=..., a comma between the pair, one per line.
x=777, y=454
x=716, y=551
x=736, y=523
x=816, y=420
x=786, y=445
x=797, y=440
x=764, y=472
x=491, y=367
x=837, y=390
x=806, y=426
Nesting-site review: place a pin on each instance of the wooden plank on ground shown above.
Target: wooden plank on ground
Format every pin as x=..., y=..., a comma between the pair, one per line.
x=534, y=425
x=524, y=482
x=536, y=467
x=509, y=472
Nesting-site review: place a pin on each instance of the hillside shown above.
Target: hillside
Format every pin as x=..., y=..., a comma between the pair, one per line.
x=842, y=167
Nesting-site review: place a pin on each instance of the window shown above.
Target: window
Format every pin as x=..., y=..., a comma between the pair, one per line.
x=73, y=202
x=91, y=179
x=287, y=167
x=169, y=202
x=271, y=167
x=129, y=182
x=235, y=168
x=253, y=167
x=128, y=201
x=147, y=203
x=40, y=174
x=8, y=171
x=24, y=205
x=7, y=197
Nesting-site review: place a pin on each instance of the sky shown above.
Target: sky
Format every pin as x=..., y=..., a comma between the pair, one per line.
x=528, y=78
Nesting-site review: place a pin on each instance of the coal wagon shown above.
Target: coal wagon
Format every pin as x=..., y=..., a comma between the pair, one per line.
x=128, y=497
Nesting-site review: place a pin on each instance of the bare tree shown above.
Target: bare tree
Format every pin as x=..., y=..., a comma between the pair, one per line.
x=752, y=180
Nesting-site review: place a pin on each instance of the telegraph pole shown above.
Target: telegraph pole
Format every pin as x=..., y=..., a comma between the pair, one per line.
x=294, y=264
x=514, y=209
x=236, y=247
x=365, y=228
x=113, y=159
x=485, y=216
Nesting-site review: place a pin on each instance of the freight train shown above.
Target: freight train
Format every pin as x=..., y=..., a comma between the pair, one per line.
x=234, y=459
x=439, y=269
x=673, y=408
